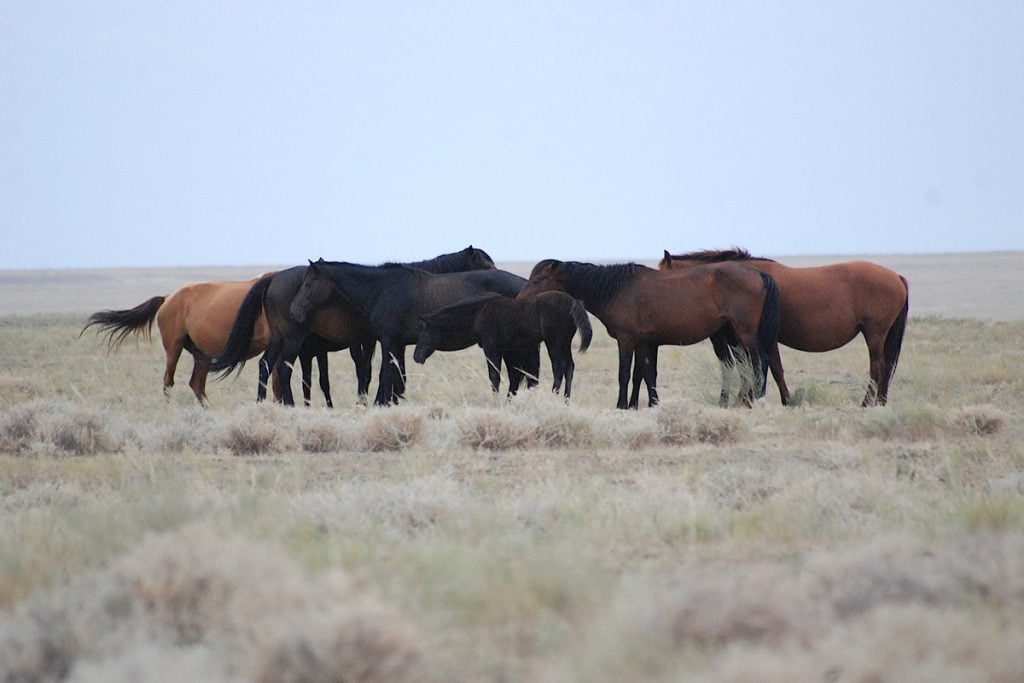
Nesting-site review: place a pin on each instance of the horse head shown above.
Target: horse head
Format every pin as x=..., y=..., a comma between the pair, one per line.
x=427, y=342
x=543, y=278
x=478, y=259
x=316, y=288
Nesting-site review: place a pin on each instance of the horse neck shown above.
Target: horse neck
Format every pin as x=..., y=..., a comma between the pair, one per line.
x=594, y=285
x=359, y=285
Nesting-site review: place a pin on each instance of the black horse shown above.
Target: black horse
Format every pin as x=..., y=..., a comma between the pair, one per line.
x=335, y=326
x=505, y=328
x=393, y=299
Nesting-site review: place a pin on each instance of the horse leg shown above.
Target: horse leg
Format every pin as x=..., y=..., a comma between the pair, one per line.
x=390, y=374
x=557, y=365
x=876, y=360
x=325, y=378
x=775, y=363
x=173, y=349
x=638, y=374
x=651, y=375
x=515, y=372
x=625, y=359
x=289, y=352
x=306, y=362
x=493, y=357
x=720, y=342
x=399, y=392
x=267, y=365
x=528, y=363
x=362, y=356
x=748, y=345
x=568, y=368
x=198, y=381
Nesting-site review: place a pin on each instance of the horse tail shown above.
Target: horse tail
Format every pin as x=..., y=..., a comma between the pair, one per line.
x=236, y=350
x=582, y=320
x=119, y=325
x=768, y=326
x=894, y=338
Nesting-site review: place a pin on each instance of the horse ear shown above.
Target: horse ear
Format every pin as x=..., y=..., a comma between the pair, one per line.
x=668, y=257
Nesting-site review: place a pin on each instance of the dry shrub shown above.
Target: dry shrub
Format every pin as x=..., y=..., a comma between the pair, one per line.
x=626, y=429
x=981, y=420
x=18, y=428
x=20, y=388
x=492, y=430
x=906, y=422
x=437, y=412
x=829, y=601
x=322, y=436
x=193, y=428
x=682, y=424
x=78, y=431
x=564, y=428
x=222, y=606
x=891, y=643
x=255, y=430
x=245, y=439
x=393, y=429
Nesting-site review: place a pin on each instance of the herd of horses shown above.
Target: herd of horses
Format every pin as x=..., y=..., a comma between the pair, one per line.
x=746, y=306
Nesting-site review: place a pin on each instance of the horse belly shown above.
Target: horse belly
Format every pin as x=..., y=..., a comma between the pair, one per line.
x=339, y=326
x=677, y=325
x=821, y=325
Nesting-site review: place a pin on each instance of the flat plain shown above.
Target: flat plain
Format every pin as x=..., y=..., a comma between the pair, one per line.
x=461, y=536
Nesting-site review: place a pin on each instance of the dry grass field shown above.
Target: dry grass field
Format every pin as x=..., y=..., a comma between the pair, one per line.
x=463, y=537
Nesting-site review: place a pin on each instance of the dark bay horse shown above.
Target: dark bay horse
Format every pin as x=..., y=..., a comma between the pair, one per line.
x=824, y=307
x=505, y=328
x=393, y=299
x=336, y=322
x=197, y=318
x=643, y=308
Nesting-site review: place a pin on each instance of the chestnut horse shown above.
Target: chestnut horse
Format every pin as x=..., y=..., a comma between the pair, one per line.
x=824, y=307
x=197, y=318
x=643, y=308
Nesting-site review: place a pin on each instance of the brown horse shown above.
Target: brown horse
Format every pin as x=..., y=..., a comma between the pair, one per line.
x=196, y=318
x=824, y=307
x=644, y=308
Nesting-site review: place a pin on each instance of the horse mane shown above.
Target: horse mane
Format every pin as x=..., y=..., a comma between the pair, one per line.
x=445, y=263
x=718, y=255
x=597, y=284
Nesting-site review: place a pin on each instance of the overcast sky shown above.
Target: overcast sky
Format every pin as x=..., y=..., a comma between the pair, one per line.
x=220, y=133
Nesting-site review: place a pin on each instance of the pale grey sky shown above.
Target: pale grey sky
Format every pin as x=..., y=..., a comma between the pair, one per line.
x=181, y=133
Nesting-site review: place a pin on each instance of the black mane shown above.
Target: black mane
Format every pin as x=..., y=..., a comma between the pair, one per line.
x=596, y=284
x=450, y=263
x=718, y=255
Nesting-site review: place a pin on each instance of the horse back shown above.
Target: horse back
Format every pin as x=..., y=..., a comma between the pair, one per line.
x=685, y=306
x=205, y=312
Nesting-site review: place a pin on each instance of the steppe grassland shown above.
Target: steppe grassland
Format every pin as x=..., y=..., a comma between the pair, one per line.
x=463, y=537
